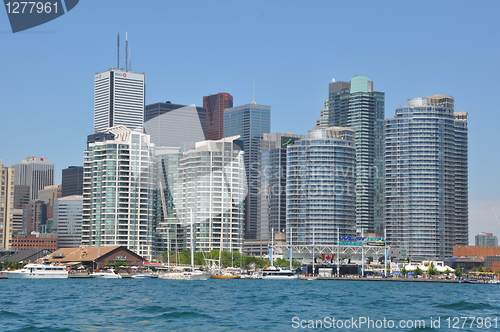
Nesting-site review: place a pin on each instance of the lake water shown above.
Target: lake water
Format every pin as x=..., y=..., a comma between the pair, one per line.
x=245, y=305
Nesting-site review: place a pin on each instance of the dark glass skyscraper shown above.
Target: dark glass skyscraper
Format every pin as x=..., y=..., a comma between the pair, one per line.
x=250, y=121
x=355, y=105
x=426, y=178
x=72, y=181
x=174, y=125
x=215, y=106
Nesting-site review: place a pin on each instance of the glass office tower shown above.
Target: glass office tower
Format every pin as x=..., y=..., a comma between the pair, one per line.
x=250, y=122
x=119, y=100
x=426, y=178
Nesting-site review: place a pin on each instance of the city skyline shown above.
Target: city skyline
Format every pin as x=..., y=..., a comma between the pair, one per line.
x=52, y=87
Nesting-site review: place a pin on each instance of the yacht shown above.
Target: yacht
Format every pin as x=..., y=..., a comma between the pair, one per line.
x=186, y=275
x=106, y=274
x=37, y=271
x=276, y=273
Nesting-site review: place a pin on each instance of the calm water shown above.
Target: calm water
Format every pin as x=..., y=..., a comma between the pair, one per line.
x=241, y=305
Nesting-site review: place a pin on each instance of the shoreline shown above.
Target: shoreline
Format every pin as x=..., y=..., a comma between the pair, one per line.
x=449, y=281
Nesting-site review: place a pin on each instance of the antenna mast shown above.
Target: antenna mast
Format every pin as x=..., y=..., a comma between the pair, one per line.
x=118, y=67
x=126, y=51
x=253, y=91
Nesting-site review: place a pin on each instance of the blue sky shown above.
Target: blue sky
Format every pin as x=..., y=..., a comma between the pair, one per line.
x=189, y=49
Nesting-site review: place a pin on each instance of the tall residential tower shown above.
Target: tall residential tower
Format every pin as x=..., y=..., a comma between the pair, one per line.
x=356, y=105
x=426, y=178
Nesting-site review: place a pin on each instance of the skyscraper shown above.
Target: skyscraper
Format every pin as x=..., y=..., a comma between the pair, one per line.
x=68, y=221
x=118, y=182
x=173, y=125
x=320, y=187
x=35, y=173
x=72, y=181
x=215, y=106
x=272, y=203
x=250, y=122
x=119, y=100
x=6, y=205
x=426, y=178
x=355, y=105
x=210, y=192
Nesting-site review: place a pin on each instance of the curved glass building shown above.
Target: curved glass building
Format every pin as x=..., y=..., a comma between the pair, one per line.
x=426, y=178
x=321, y=187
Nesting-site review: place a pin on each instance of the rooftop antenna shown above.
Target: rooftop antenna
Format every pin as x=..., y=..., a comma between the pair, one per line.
x=126, y=51
x=118, y=67
x=253, y=92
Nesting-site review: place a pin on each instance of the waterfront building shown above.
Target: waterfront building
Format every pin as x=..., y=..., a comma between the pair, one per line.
x=119, y=100
x=174, y=125
x=118, y=187
x=486, y=240
x=320, y=187
x=427, y=177
x=6, y=205
x=272, y=204
x=250, y=122
x=209, y=191
x=72, y=181
x=356, y=105
x=34, y=216
x=215, y=106
x=68, y=221
x=35, y=173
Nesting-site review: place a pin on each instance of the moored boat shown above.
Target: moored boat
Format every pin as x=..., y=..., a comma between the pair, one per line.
x=277, y=273
x=38, y=271
x=106, y=274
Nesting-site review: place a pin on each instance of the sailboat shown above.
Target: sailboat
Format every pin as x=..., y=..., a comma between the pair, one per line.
x=191, y=274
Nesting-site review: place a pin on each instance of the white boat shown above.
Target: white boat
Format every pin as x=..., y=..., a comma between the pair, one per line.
x=38, y=271
x=186, y=275
x=142, y=276
x=106, y=274
x=277, y=273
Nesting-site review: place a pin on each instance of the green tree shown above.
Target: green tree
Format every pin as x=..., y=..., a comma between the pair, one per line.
x=458, y=271
x=403, y=271
x=418, y=271
x=431, y=269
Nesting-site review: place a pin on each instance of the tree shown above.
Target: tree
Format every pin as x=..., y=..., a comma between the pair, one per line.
x=431, y=269
x=403, y=271
x=458, y=271
x=418, y=271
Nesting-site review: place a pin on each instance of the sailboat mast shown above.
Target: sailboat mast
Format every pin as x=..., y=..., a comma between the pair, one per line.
x=192, y=239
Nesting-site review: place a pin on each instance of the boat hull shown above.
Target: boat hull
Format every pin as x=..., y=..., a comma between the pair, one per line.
x=215, y=276
x=185, y=276
x=105, y=276
x=27, y=275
